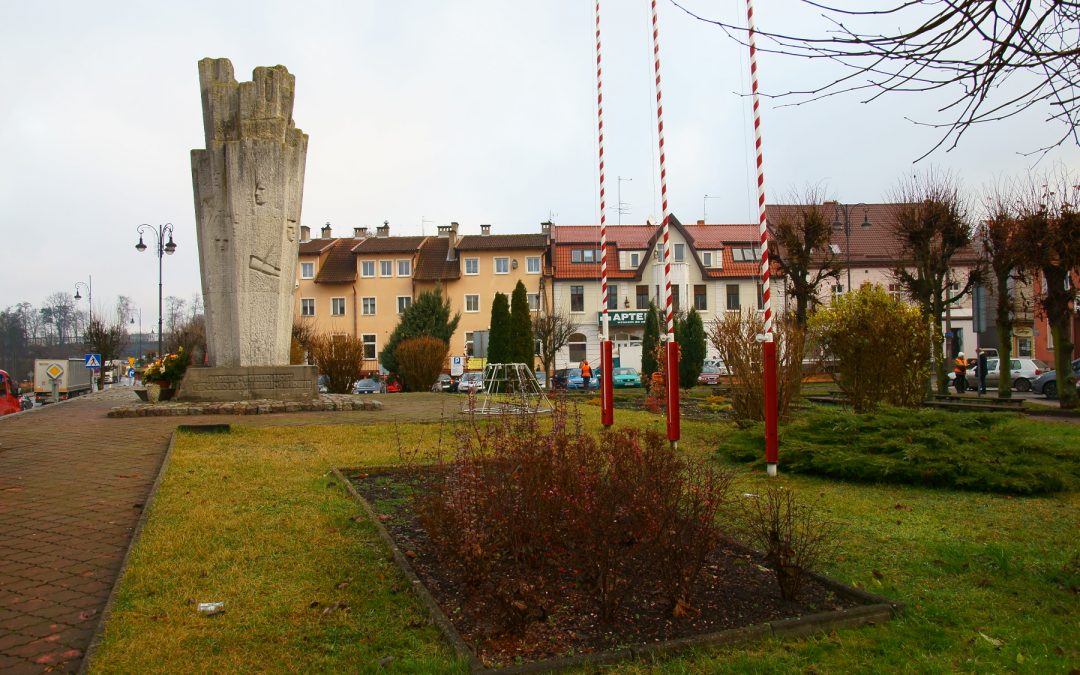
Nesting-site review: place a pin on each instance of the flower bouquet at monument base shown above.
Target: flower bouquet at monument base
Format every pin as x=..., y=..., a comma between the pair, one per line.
x=168, y=370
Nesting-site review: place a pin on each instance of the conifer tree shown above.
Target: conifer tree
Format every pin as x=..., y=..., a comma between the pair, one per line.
x=521, y=333
x=499, y=349
x=649, y=342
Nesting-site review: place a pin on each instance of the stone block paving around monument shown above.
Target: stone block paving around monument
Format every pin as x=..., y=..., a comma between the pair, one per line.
x=72, y=488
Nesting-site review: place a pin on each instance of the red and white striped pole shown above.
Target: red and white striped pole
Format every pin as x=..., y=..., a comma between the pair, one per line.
x=672, y=367
x=772, y=452
x=607, y=391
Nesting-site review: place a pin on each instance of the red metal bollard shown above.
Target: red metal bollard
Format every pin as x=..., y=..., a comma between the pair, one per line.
x=607, y=385
x=772, y=449
x=672, y=391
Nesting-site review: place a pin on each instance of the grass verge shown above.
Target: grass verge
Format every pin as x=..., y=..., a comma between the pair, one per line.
x=251, y=519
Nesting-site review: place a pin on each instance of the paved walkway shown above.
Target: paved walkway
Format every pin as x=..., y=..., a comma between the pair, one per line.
x=72, y=487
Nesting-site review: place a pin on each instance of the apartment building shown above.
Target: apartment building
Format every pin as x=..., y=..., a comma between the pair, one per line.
x=714, y=269
x=360, y=285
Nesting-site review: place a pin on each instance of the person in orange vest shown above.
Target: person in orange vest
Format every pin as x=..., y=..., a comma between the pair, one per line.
x=586, y=374
x=960, y=372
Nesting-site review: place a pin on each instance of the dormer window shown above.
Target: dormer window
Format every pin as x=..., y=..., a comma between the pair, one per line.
x=706, y=258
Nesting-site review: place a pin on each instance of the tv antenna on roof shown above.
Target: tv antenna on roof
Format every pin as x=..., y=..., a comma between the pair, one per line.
x=622, y=208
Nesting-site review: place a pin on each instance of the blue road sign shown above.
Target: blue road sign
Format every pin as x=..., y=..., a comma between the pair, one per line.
x=92, y=360
x=131, y=372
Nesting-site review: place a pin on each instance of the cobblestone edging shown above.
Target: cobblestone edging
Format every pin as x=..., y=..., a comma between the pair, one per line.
x=325, y=402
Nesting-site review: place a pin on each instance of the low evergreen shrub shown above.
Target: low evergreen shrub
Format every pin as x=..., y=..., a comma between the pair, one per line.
x=990, y=452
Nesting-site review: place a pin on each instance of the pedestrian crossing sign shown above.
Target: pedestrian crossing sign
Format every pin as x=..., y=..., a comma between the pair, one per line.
x=92, y=361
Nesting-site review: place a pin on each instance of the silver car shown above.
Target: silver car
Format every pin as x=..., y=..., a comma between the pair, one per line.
x=471, y=382
x=1022, y=370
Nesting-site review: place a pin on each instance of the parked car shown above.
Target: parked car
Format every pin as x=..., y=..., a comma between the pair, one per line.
x=625, y=377
x=541, y=378
x=1047, y=384
x=1023, y=372
x=323, y=381
x=710, y=375
x=367, y=386
x=471, y=382
x=10, y=401
x=444, y=383
x=570, y=378
x=718, y=364
x=393, y=386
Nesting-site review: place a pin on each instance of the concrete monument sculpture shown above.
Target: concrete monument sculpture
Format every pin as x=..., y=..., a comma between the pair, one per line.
x=249, y=184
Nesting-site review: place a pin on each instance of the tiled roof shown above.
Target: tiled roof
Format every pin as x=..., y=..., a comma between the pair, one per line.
x=623, y=236
x=388, y=245
x=432, y=264
x=340, y=264
x=501, y=242
x=315, y=246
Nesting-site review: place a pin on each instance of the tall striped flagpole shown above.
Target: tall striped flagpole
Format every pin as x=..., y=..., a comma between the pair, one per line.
x=769, y=344
x=607, y=391
x=672, y=366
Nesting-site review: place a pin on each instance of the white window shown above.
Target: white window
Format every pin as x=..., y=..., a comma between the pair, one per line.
x=368, y=305
x=369, y=345
x=532, y=265
x=472, y=303
x=706, y=258
x=469, y=343
x=635, y=259
x=403, y=303
x=386, y=268
x=502, y=265
x=307, y=270
x=577, y=346
x=367, y=268
x=337, y=306
x=680, y=252
x=534, y=301
x=307, y=306
x=837, y=290
x=472, y=266
x=404, y=268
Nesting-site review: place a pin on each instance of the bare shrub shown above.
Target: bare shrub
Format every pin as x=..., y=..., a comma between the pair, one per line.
x=734, y=336
x=794, y=536
x=420, y=361
x=523, y=511
x=300, y=344
x=339, y=358
x=880, y=345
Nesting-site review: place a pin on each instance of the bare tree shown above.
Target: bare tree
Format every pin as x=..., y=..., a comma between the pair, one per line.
x=109, y=340
x=175, y=309
x=966, y=49
x=800, y=247
x=1050, y=227
x=58, y=311
x=932, y=231
x=552, y=330
x=124, y=310
x=1004, y=249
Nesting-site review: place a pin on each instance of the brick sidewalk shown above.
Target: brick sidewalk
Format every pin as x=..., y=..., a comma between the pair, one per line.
x=72, y=487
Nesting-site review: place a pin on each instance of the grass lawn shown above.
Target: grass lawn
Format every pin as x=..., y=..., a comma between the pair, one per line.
x=251, y=519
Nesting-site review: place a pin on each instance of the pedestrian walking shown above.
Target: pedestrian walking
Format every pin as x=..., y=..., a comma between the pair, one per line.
x=586, y=374
x=980, y=371
x=960, y=373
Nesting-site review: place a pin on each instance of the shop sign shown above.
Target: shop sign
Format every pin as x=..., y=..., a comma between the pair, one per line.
x=631, y=318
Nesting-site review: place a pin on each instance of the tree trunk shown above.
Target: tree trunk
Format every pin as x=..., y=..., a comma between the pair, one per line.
x=1004, y=335
x=1061, y=331
x=939, y=357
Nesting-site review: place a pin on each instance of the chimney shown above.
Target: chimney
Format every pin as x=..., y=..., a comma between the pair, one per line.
x=305, y=233
x=359, y=232
x=545, y=227
x=444, y=231
x=383, y=230
x=485, y=230
x=451, y=248
x=700, y=222
x=326, y=231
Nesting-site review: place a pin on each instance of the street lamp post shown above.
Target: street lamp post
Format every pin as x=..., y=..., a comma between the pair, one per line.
x=89, y=286
x=846, y=225
x=163, y=248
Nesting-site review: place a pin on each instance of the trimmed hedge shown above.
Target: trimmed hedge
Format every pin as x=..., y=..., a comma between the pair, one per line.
x=991, y=452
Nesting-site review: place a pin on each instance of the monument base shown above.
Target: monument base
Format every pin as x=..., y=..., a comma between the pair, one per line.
x=278, y=383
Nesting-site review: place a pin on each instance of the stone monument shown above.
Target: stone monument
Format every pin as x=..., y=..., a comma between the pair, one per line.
x=249, y=185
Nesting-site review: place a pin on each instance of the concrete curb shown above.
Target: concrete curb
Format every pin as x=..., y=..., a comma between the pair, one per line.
x=879, y=609
x=99, y=630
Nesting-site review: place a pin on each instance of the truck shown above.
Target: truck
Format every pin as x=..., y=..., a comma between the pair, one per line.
x=66, y=378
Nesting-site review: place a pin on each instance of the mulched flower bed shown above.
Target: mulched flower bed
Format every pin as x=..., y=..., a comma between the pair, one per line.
x=735, y=590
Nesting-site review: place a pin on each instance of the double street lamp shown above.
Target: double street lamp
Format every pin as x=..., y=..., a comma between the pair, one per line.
x=846, y=225
x=163, y=248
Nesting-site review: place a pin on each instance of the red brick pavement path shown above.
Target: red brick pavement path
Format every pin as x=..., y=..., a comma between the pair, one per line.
x=72, y=487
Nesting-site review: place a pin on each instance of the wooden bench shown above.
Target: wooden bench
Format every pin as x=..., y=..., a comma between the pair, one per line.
x=980, y=400
x=967, y=406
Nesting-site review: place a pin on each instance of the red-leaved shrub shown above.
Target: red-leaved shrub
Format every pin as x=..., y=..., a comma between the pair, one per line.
x=523, y=511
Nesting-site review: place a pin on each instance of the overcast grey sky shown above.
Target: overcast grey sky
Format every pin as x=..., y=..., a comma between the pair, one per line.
x=421, y=112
